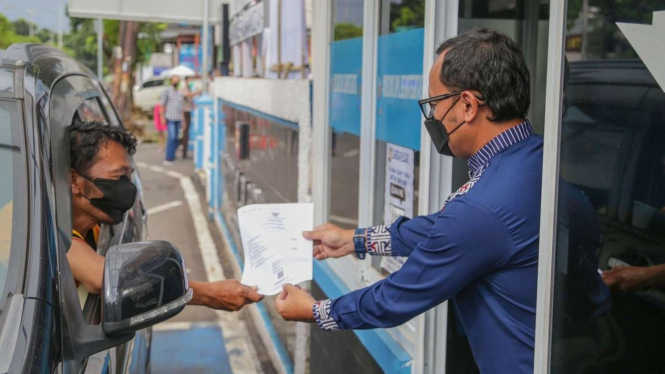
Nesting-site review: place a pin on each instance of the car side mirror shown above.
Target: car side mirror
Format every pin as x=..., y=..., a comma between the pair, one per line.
x=144, y=283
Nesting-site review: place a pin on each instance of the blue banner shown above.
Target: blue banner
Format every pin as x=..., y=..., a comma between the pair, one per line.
x=345, y=82
x=399, y=86
x=188, y=56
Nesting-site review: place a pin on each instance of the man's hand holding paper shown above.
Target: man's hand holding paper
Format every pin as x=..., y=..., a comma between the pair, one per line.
x=275, y=251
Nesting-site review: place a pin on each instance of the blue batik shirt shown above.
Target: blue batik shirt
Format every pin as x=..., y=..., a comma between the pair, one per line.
x=481, y=249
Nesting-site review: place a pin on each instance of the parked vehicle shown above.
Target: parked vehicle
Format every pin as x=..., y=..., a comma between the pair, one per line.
x=42, y=326
x=148, y=93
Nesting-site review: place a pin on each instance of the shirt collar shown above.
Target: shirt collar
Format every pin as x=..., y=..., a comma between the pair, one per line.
x=504, y=140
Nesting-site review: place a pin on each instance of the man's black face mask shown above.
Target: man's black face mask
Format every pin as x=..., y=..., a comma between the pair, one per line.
x=119, y=196
x=440, y=136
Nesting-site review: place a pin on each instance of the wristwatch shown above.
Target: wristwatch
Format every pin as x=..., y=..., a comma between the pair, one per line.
x=360, y=243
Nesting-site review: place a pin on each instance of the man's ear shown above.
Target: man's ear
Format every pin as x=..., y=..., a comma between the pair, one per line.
x=471, y=106
x=77, y=184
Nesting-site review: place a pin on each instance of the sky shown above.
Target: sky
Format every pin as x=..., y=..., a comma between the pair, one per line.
x=45, y=12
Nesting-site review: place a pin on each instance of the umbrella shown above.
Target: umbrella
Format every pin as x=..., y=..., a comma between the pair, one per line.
x=180, y=70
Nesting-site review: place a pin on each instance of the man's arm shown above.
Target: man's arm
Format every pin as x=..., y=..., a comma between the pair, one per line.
x=465, y=243
x=227, y=295
x=635, y=278
x=88, y=269
x=398, y=239
x=87, y=266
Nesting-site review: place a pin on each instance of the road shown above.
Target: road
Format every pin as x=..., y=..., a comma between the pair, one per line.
x=198, y=340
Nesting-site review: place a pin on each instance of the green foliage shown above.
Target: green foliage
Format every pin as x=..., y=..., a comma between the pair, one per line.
x=82, y=41
x=8, y=34
x=21, y=27
x=347, y=31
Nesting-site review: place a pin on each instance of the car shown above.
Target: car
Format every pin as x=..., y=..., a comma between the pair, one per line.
x=45, y=327
x=149, y=93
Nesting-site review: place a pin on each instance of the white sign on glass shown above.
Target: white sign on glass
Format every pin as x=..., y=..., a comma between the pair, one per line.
x=398, y=193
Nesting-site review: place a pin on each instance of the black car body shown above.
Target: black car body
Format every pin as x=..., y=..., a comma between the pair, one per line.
x=41, y=90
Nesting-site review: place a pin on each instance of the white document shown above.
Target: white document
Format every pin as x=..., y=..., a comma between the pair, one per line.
x=275, y=251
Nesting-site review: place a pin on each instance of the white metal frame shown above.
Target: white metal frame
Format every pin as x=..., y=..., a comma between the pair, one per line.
x=548, y=213
x=321, y=137
x=441, y=19
x=368, y=113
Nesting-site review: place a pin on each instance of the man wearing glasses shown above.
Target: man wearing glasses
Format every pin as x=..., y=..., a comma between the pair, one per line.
x=481, y=249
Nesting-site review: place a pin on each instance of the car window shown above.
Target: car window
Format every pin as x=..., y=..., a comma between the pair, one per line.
x=113, y=120
x=10, y=173
x=153, y=83
x=90, y=110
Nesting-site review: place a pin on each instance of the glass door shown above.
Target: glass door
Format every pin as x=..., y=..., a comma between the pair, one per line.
x=344, y=117
x=397, y=126
x=609, y=288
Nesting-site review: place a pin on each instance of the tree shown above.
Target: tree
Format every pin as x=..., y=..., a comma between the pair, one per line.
x=137, y=41
x=82, y=41
x=21, y=27
x=8, y=35
x=44, y=35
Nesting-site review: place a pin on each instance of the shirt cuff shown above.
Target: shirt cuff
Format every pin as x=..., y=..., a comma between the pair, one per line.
x=378, y=241
x=323, y=317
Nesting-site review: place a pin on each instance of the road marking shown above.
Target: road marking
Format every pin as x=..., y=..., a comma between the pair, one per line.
x=243, y=357
x=157, y=169
x=167, y=326
x=142, y=165
x=253, y=309
x=163, y=207
x=175, y=174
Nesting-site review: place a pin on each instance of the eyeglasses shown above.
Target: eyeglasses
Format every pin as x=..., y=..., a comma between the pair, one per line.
x=427, y=106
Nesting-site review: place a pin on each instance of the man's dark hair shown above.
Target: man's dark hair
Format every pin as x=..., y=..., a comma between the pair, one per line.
x=491, y=63
x=86, y=137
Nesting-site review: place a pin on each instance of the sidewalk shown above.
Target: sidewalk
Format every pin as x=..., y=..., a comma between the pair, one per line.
x=198, y=340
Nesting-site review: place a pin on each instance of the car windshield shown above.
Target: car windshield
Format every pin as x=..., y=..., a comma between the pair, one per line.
x=10, y=164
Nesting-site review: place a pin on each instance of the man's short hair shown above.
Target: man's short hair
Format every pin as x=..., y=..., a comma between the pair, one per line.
x=491, y=63
x=86, y=137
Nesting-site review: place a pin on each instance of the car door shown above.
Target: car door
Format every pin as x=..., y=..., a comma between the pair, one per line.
x=132, y=357
x=88, y=102
x=149, y=94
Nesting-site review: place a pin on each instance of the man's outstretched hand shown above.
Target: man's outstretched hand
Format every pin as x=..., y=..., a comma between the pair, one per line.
x=330, y=241
x=227, y=295
x=294, y=304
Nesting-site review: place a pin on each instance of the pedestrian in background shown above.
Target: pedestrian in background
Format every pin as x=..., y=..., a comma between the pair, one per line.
x=171, y=111
x=188, y=94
